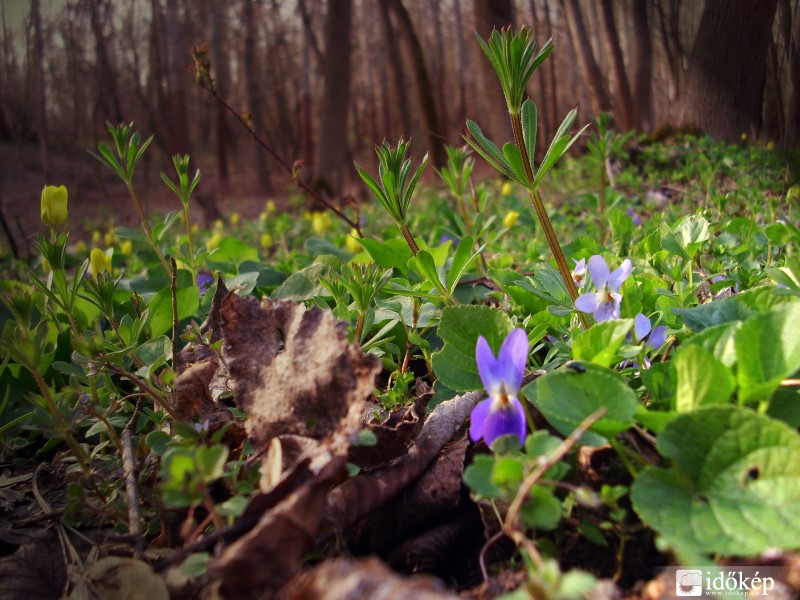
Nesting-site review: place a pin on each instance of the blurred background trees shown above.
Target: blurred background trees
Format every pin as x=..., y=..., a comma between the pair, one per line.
x=324, y=81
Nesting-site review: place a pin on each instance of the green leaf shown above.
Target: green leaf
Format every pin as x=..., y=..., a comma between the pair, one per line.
x=461, y=262
x=304, y=284
x=188, y=300
x=488, y=150
x=685, y=239
x=718, y=341
x=514, y=159
x=211, y=461
x=733, y=488
x=566, y=397
x=459, y=328
x=599, y=344
x=423, y=264
x=702, y=379
x=621, y=230
x=478, y=476
x=232, y=251
x=196, y=565
x=767, y=351
x=155, y=352
x=529, y=125
x=392, y=253
x=713, y=313
x=541, y=510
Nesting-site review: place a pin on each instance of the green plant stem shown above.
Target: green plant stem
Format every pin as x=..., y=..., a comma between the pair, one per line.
x=409, y=238
x=191, y=242
x=146, y=226
x=61, y=425
x=602, y=209
x=544, y=220
x=359, y=327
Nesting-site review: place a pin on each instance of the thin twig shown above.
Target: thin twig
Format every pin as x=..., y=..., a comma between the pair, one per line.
x=174, y=288
x=132, y=492
x=145, y=387
x=509, y=525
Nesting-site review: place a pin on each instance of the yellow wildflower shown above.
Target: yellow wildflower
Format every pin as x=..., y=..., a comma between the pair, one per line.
x=771, y=146
x=352, y=243
x=266, y=240
x=321, y=222
x=110, y=237
x=214, y=241
x=506, y=189
x=262, y=217
x=510, y=219
x=234, y=219
x=80, y=247
x=54, y=205
x=126, y=247
x=96, y=236
x=100, y=261
x=269, y=206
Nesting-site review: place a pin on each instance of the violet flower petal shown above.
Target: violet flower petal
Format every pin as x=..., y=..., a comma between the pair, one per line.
x=512, y=359
x=489, y=367
x=588, y=303
x=641, y=327
x=606, y=311
x=599, y=271
x=477, y=419
x=620, y=274
x=505, y=420
x=658, y=337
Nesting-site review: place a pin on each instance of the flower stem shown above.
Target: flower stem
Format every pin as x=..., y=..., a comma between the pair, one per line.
x=409, y=238
x=147, y=229
x=544, y=220
x=602, y=210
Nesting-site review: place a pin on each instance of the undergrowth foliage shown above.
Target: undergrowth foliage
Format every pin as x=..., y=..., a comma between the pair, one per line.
x=245, y=394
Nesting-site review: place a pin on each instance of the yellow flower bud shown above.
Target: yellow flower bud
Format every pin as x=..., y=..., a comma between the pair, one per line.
x=235, y=219
x=110, y=237
x=54, y=205
x=744, y=137
x=771, y=146
x=269, y=206
x=96, y=236
x=352, y=243
x=262, y=216
x=126, y=247
x=214, y=241
x=266, y=240
x=506, y=189
x=510, y=219
x=100, y=261
x=80, y=247
x=218, y=225
x=320, y=222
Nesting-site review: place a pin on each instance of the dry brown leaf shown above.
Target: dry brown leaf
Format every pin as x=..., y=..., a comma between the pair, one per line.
x=394, y=433
x=120, y=578
x=260, y=562
x=34, y=572
x=294, y=371
x=361, y=495
x=366, y=579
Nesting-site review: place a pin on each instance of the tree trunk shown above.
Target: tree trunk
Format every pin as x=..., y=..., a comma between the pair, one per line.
x=489, y=15
x=643, y=66
x=177, y=61
x=614, y=50
x=220, y=71
x=586, y=61
x=396, y=64
x=439, y=69
x=790, y=33
x=253, y=93
x=461, y=111
x=332, y=147
x=424, y=88
x=725, y=80
x=38, y=44
x=107, y=106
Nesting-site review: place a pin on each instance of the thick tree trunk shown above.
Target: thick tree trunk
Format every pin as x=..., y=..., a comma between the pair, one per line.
x=107, y=105
x=38, y=44
x=491, y=105
x=220, y=71
x=586, y=61
x=253, y=93
x=614, y=50
x=427, y=102
x=177, y=62
x=790, y=33
x=396, y=64
x=725, y=80
x=461, y=111
x=331, y=155
x=643, y=66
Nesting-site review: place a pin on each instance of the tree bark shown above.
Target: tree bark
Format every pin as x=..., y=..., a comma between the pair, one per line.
x=586, y=61
x=725, y=80
x=398, y=76
x=38, y=44
x=424, y=88
x=177, y=61
x=614, y=50
x=220, y=71
x=253, y=93
x=790, y=33
x=643, y=66
x=331, y=152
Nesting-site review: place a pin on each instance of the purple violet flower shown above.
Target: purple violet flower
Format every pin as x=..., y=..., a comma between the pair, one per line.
x=605, y=303
x=643, y=330
x=501, y=413
x=579, y=272
x=204, y=281
x=637, y=220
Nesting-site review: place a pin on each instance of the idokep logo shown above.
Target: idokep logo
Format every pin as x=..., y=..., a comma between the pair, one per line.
x=689, y=582
x=710, y=582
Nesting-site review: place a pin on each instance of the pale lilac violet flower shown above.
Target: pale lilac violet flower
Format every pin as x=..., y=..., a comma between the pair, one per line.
x=604, y=304
x=501, y=413
x=204, y=281
x=579, y=272
x=643, y=330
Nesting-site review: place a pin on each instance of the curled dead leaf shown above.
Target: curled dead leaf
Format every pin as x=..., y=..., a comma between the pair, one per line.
x=121, y=578
x=361, y=580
